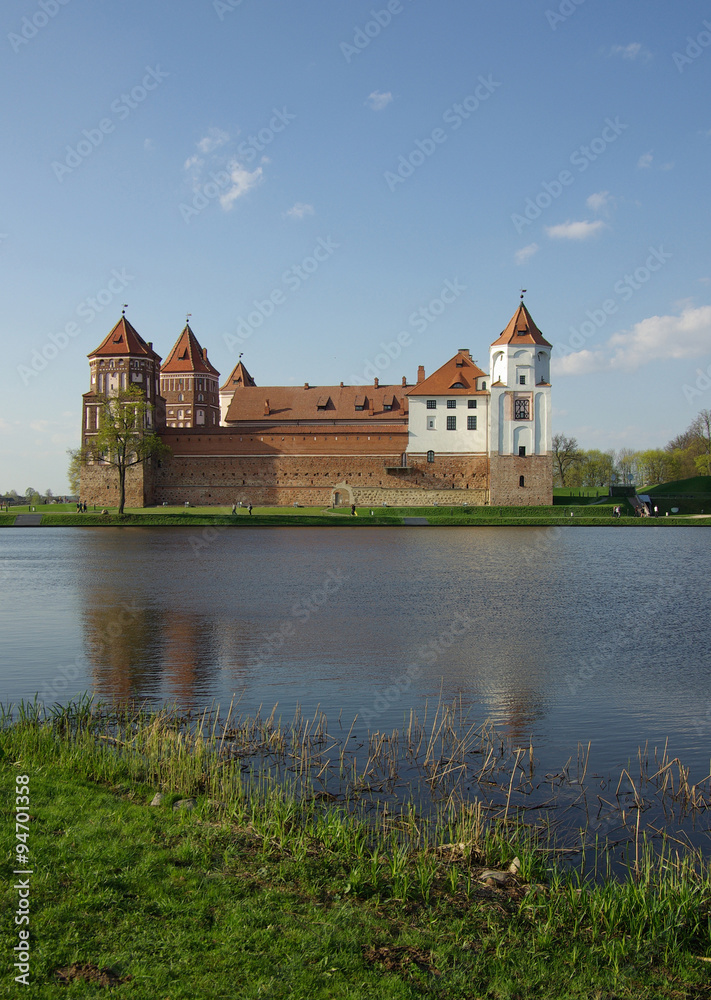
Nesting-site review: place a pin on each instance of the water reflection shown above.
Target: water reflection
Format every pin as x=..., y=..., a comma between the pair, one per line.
x=253, y=613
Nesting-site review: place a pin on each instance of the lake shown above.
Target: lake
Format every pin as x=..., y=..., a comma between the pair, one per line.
x=557, y=635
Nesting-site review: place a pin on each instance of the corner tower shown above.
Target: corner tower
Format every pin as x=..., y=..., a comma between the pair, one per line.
x=122, y=360
x=521, y=467
x=190, y=384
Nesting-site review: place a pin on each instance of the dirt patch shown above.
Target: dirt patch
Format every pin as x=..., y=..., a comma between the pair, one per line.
x=89, y=973
x=400, y=958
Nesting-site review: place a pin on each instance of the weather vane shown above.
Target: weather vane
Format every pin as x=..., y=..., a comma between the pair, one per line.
x=125, y=307
x=523, y=292
x=187, y=317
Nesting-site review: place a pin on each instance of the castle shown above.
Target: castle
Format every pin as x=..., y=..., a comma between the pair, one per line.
x=458, y=436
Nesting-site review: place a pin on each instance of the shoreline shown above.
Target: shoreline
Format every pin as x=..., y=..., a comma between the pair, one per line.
x=424, y=519
x=147, y=835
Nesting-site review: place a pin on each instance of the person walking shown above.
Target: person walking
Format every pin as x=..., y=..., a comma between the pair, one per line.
x=234, y=508
x=249, y=510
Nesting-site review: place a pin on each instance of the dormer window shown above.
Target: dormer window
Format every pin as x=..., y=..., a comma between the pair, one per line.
x=457, y=385
x=483, y=385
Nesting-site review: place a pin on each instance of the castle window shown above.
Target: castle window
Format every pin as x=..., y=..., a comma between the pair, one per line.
x=522, y=380
x=432, y=423
x=522, y=409
x=471, y=423
x=200, y=397
x=451, y=423
x=430, y=456
x=472, y=404
x=483, y=385
x=522, y=451
x=180, y=397
x=451, y=404
x=431, y=404
x=521, y=481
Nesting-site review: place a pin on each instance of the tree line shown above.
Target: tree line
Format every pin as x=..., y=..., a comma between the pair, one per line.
x=685, y=456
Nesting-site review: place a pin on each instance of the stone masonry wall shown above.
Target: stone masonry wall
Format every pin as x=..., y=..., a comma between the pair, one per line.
x=312, y=479
x=100, y=485
x=505, y=471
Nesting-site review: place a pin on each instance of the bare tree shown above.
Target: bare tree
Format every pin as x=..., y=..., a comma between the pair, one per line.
x=565, y=454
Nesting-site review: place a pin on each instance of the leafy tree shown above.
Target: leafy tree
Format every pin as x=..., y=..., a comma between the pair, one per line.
x=600, y=467
x=74, y=470
x=626, y=462
x=29, y=493
x=565, y=454
x=701, y=428
x=125, y=437
x=654, y=466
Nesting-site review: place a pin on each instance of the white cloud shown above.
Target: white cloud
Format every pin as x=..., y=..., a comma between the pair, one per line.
x=193, y=161
x=575, y=230
x=378, y=101
x=645, y=161
x=599, y=201
x=242, y=181
x=525, y=253
x=300, y=210
x=667, y=166
x=579, y=363
x=41, y=426
x=657, y=338
x=213, y=140
x=687, y=335
x=635, y=50
x=149, y=145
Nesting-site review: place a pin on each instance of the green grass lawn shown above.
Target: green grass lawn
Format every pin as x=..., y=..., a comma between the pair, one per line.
x=268, y=897
x=572, y=514
x=699, y=485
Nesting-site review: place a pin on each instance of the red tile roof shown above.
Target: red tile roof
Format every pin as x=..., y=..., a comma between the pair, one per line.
x=457, y=377
x=123, y=341
x=188, y=356
x=238, y=376
x=316, y=403
x=522, y=330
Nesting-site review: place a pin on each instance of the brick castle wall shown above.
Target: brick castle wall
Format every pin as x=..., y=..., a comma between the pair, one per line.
x=313, y=479
x=100, y=485
x=505, y=472
x=204, y=470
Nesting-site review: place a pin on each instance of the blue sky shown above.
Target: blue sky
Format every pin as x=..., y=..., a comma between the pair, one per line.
x=306, y=178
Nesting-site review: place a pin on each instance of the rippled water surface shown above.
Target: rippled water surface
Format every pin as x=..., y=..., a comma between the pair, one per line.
x=557, y=635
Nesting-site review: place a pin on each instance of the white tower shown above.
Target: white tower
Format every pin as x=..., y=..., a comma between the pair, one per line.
x=521, y=469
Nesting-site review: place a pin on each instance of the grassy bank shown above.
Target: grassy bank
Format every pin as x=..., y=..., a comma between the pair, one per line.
x=572, y=516
x=282, y=889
